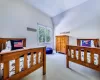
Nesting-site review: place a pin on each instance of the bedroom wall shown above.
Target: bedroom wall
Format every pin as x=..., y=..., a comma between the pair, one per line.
x=82, y=21
x=92, y=31
x=16, y=16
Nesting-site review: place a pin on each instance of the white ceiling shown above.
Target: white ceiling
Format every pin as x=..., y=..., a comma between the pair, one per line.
x=54, y=7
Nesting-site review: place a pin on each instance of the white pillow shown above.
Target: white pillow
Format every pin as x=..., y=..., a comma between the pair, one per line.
x=81, y=43
x=8, y=45
x=92, y=43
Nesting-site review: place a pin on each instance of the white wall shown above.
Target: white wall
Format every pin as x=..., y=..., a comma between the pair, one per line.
x=82, y=21
x=16, y=15
x=89, y=30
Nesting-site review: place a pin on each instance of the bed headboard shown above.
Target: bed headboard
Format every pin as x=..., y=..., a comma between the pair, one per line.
x=4, y=40
x=96, y=42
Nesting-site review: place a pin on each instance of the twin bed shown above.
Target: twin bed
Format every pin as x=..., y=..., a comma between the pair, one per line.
x=87, y=54
x=16, y=64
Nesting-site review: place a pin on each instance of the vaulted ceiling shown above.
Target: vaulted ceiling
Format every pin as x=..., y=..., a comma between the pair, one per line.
x=54, y=7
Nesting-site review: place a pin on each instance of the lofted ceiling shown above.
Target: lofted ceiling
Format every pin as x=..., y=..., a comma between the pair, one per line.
x=54, y=7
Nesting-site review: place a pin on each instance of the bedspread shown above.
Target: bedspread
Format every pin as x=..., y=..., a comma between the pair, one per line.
x=96, y=56
x=21, y=64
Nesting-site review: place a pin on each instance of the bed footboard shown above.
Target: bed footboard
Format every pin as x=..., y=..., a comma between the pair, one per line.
x=17, y=64
x=89, y=57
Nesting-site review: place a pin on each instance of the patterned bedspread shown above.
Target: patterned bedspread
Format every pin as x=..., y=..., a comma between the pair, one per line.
x=12, y=64
x=96, y=56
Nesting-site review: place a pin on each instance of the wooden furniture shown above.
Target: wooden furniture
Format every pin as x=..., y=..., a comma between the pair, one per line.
x=96, y=42
x=86, y=56
x=5, y=57
x=61, y=42
x=4, y=40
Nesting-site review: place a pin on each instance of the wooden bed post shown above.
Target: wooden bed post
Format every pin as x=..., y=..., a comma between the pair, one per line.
x=6, y=70
x=44, y=61
x=0, y=68
x=67, y=58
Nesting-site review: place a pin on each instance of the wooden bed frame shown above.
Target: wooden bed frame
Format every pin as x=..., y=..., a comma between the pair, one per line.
x=5, y=57
x=78, y=48
x=96, y=42
x=4, y=40
x=79, y=61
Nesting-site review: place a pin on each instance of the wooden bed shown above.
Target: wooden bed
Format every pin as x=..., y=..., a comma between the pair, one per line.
x=6, y=57
x=96, y=42
x=86, y=56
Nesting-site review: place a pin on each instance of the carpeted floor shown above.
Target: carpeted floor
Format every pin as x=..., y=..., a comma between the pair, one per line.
x=56, y=70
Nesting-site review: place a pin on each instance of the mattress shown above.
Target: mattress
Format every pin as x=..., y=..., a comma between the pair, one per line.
x=21, y=64
x=96, y=57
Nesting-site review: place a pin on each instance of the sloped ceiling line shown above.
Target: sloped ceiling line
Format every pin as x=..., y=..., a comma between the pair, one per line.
x=54, y=7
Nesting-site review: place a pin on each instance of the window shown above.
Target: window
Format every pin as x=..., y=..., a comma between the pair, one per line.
x=44, y=34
